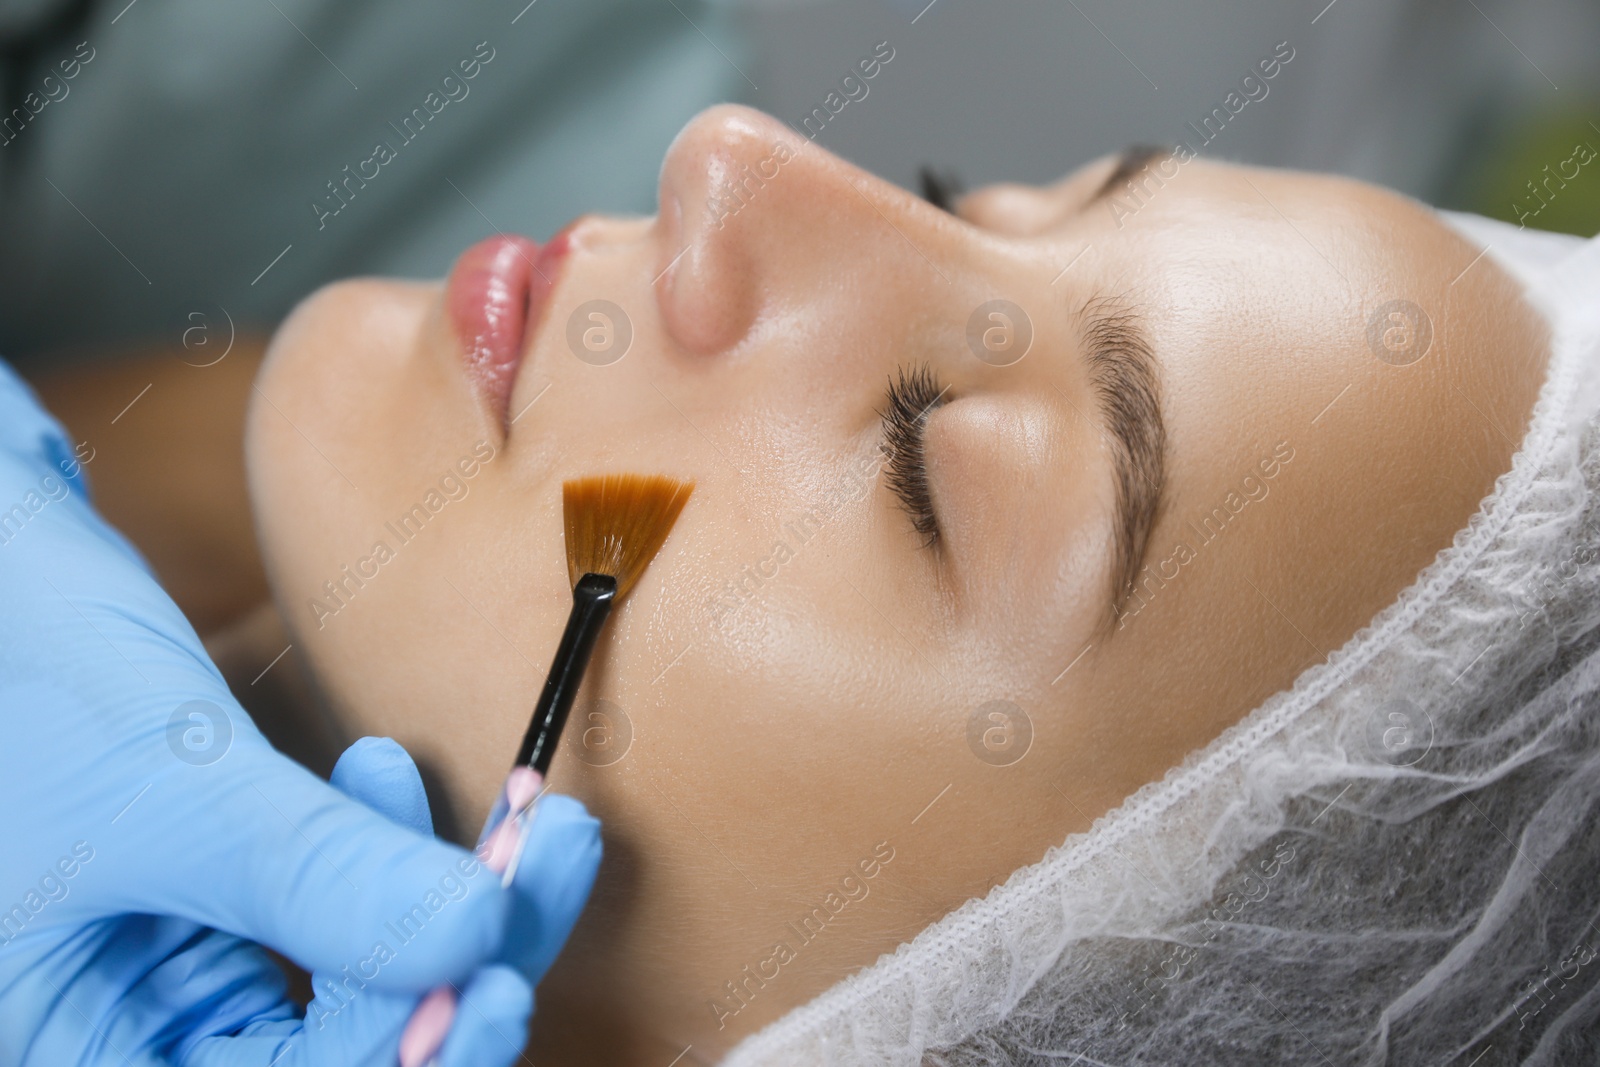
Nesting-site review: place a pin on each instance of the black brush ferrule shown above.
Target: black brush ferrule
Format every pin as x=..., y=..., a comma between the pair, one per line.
x=592, y=598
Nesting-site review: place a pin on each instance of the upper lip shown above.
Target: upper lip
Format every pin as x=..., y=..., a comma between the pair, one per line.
x=494, y=298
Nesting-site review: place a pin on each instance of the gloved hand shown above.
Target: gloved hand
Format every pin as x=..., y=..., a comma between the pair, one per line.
x=152, y=834
x=550, y=890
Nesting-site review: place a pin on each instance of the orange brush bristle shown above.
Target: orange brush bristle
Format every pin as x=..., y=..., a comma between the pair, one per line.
x=616, y=523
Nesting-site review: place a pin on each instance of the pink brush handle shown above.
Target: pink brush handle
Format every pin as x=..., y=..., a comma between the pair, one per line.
x=500, y=851
x=502, y=846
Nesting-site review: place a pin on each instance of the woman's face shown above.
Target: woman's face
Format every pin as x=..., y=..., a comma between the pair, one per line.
x=875, y=668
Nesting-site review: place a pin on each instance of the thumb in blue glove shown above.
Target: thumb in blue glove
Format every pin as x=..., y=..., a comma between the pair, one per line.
x=379, y=773
x=555, y=874
x=350, y=1023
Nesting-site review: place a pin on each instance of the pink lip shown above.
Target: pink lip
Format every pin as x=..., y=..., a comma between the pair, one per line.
x=496, y=293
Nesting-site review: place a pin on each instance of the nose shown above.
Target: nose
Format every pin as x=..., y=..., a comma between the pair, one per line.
x=722, y=171
x=752, y=217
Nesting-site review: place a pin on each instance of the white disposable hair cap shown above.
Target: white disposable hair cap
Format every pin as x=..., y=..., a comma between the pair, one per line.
x=1397, y=859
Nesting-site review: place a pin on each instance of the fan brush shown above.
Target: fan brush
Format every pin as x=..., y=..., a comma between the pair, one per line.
x=614, y=524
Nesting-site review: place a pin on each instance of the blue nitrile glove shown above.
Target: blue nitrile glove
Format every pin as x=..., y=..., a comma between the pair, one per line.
x=551, y=888
x=144, y=813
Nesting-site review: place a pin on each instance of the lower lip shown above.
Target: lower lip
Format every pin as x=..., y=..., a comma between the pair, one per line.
x=496, y=292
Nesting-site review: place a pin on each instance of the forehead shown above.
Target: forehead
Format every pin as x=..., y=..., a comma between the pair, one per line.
x=1195, y=192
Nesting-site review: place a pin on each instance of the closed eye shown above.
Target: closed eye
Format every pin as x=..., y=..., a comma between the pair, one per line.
x=911, y=397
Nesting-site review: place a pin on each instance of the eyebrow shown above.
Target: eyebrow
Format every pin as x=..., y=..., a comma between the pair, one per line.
x=1133, y=159
x=1123, y=376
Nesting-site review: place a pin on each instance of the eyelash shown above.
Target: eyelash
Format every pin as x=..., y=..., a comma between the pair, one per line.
x=912, y=396
x=940, y=189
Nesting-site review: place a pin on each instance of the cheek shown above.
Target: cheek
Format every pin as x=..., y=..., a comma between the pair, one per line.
x=463, y=641
x=747, y=664
x=774, y=757
x=333, y=400
x=354, y=423
x=444, y=646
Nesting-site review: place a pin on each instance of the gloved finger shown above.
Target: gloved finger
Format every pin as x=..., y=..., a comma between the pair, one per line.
x=491, y=1023
x=347, y=1025
x=360, y=1029
x=554, y=877
x=552, y=883
x=264, y=849
x=162, y=969
x=352, y=1025
x=349, y=1022
x=380, y=773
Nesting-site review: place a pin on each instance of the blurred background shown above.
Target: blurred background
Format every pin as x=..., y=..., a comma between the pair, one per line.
x=163, y=159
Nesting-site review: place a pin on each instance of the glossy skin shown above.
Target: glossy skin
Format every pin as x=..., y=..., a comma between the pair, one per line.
x=786, y=738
